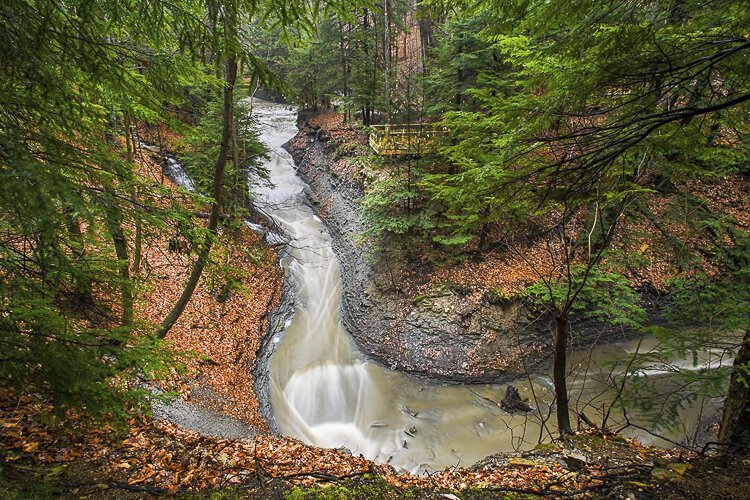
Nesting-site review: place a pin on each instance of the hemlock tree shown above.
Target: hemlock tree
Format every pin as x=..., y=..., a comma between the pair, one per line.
x=77, y=78
x=708, y=312
x=227, y=52
x=75, y=75
x=597, y=104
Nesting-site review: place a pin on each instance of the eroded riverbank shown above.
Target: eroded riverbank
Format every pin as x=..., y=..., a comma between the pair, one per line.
x=442, y=332
x=324, y=391
x=440, y=336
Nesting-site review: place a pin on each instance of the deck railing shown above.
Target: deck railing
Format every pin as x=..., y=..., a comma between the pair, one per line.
x=416, y=139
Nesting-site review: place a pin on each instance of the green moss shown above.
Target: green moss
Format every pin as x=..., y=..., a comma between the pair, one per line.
x=547, y=447
x=480, y=494
x=364, y=488
x=419, y=298
x=223, y=494
x=376, y=490
x=21, y=482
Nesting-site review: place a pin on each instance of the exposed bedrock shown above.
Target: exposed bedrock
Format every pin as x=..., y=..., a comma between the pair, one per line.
x=437, y=334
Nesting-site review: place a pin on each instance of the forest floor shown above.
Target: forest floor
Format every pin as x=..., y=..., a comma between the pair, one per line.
x=47, y=455
x=221, y=329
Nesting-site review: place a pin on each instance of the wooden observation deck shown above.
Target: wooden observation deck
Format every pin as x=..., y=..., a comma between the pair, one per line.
x=415, y=139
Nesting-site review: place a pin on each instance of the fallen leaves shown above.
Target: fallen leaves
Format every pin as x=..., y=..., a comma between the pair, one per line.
x=334, y=127
x=224, y=332
x=159, y=456
x=165, y=457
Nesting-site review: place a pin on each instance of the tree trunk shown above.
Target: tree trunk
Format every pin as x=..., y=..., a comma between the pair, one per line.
x=458, y=99
x=344, y=70
x=114, y=224
x=138, y=245
x=121, y=250
x=366, y=51
x=83, y=288
x=213, y=223
x=735, y=421
x=484, y=230
x=425, y=21
x=387, y=55
x=559, y=374
x=131, y=147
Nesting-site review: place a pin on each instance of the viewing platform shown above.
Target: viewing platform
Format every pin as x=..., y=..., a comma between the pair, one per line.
x=415, y=139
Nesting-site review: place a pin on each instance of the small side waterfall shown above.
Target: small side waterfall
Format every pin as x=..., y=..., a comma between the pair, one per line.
x=172, y=168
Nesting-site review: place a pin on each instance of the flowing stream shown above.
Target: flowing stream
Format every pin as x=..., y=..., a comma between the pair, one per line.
x=326, y=393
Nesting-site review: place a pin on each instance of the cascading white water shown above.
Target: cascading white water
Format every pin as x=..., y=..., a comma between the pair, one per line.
x=172, y=168
x=326, y=393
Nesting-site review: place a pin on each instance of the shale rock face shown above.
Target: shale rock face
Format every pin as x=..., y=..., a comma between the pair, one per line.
x=440, y=334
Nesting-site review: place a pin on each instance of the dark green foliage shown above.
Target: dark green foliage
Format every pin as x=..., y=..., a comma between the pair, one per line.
x=77, y=79
x=395, y=209
x=605, y=295
x=462, y=63
x=70, y=77
x=201, y=146
x=706, y=315
x=75, y=364
x=583, y=104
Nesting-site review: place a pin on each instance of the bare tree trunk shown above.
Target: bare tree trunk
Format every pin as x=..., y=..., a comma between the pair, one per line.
x=241, y=196
x=83, y=288
x=735, y=421
x=559, y=374
x=366, y=107
x=344, y=69
x=387, y=55
x=424, y=18
x=161, y=155
x=484, y=230
x=213, y=223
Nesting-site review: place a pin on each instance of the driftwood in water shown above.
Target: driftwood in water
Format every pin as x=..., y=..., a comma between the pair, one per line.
x=512, y=401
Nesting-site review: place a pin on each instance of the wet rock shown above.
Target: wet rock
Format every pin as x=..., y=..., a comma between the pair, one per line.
x=574, y=460
x=438, y=334
x=409, y=411
x=311, y=196
x=522, y=463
